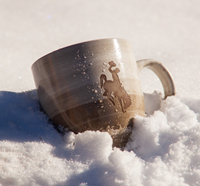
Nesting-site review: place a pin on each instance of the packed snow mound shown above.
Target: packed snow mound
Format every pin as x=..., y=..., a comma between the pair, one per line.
x=163, y=148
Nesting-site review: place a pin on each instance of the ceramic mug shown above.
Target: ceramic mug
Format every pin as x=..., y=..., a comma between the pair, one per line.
x=95, y=85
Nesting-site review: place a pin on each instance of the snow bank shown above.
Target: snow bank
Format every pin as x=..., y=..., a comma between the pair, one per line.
x=163, y=148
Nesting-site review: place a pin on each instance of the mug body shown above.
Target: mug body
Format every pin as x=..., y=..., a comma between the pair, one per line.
x=90, y=86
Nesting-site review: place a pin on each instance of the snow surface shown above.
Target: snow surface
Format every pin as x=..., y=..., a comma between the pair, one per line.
x=164, y=148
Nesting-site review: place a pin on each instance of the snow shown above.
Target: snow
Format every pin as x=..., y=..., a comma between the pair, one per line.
x=164, y=148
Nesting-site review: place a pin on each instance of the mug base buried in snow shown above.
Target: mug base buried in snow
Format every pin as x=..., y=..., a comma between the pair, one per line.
x=95, y=85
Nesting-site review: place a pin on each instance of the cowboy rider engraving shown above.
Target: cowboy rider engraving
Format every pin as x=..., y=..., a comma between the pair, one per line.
x=113, y=89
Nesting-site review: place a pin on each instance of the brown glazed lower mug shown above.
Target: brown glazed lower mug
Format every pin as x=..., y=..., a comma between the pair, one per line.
x=95, y=85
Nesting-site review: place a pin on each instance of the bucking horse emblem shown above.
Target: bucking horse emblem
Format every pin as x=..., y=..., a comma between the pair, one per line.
x=113, y=89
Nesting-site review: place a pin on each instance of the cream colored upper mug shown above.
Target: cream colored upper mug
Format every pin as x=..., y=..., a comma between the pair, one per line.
x=95, y=85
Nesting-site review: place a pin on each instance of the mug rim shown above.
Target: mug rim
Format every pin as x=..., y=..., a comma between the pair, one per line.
x=76, y=44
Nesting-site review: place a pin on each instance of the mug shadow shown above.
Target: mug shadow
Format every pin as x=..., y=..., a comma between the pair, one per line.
x=23, y=120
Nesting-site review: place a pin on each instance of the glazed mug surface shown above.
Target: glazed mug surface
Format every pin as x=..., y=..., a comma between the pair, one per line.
x=95, y=85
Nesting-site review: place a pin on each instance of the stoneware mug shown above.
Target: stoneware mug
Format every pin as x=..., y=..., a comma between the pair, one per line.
x=95, y=85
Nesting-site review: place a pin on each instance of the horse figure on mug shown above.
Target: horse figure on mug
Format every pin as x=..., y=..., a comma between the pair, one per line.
x=113, y=89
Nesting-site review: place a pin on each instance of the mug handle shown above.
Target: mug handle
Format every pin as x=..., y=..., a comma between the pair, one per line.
x=163, y=74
